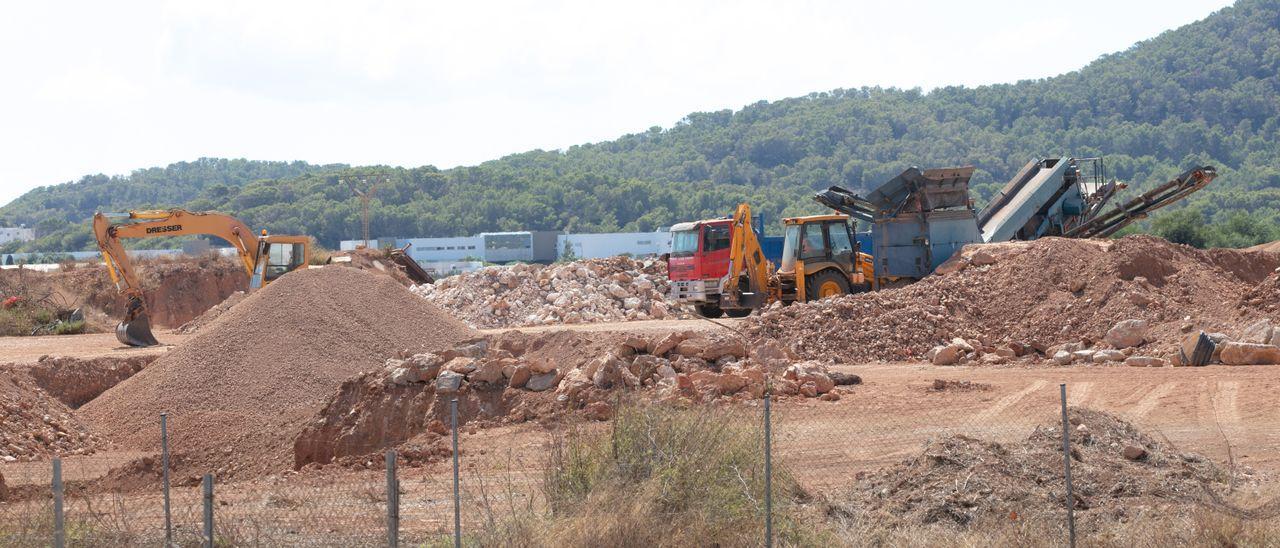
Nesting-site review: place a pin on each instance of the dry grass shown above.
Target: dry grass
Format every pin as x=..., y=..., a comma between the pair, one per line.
x=662, y=476
x=1201, y=527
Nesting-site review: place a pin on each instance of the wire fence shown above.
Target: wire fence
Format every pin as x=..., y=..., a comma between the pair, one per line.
x=965, y=463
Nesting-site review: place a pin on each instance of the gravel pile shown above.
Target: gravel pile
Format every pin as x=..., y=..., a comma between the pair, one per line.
x=34, y=424
x=1118, y=472
x=1039, y=294
x=239, y=391
x=587, y=291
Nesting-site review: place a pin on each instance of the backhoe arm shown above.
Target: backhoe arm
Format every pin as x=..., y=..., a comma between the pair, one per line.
x=746, y=255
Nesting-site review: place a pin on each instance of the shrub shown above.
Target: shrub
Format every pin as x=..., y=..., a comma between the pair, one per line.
x=664, y=476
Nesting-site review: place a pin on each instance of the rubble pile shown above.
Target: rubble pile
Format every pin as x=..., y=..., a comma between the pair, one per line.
x=35, y=425
x=587, y=291
x=1026, y=300
x=1118, y=473
x=516, y=377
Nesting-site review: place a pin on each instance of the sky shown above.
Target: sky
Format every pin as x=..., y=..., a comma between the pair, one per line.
x=110, y=87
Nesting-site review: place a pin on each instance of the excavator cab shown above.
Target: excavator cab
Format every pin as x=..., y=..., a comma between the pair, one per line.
x=282, y=254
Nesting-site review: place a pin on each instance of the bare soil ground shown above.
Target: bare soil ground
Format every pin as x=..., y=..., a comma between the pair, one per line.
x=28, y=350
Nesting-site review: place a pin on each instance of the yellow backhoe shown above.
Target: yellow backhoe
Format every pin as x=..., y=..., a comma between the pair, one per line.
x=820, y=258
x=265, y=258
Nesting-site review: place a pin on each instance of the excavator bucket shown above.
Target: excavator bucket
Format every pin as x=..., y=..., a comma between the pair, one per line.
x=135, y=329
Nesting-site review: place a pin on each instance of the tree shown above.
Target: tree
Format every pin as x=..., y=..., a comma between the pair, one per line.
x=1184, y=226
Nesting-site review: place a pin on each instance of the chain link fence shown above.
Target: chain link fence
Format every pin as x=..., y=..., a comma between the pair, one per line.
x=944, y=462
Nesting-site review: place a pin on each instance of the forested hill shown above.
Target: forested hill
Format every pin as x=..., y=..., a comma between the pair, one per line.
x=1206, y=93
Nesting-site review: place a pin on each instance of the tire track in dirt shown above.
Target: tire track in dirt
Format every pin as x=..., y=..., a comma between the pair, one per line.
x=1078, y=394
x=1226, y=404
x=1009, y=401
x=1150, y=400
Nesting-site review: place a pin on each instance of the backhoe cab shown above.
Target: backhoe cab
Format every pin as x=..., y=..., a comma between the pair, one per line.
x=820, y=258
x=265, y=258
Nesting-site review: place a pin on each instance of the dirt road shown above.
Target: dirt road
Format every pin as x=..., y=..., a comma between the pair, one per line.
x=20, y=350
x=1204, y=410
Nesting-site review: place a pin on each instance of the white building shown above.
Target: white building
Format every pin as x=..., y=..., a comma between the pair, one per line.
x=636, y=244
x=20, y=234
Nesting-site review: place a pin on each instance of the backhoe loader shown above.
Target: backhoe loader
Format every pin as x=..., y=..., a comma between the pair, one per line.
x=820, y=258
x=265, y=258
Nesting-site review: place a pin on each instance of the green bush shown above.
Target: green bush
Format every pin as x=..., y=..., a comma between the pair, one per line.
x=69, y=328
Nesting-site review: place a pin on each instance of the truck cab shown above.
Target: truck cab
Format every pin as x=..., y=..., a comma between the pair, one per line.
x=699, y=259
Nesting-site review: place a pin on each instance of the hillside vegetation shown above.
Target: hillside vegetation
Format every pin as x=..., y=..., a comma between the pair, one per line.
x=1206, y=93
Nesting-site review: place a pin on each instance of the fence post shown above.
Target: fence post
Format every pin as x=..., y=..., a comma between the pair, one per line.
x=59, y=529
x=457, y=502
x=768, y=472
x=208, y=511
x=164, y=480
x=393, y=501
x=1066, y=468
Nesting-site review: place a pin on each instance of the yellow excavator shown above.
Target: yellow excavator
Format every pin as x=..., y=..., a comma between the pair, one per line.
x=820, y=258
x=265, y=257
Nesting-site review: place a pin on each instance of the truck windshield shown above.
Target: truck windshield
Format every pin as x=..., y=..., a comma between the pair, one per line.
x=684, y=243
x=790, y=244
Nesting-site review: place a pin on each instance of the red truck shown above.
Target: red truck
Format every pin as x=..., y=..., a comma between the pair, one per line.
x=700, y=259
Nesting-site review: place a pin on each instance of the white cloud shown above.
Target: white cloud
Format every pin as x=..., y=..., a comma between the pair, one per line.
x=110, y=87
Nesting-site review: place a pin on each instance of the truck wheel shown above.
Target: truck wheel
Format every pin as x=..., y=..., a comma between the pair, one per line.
x=828, y=283
x=738, y=312
x=709, y=310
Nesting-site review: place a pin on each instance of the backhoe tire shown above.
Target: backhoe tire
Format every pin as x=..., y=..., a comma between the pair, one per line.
x=828, y=283
x=709, y=310
x=738, y=312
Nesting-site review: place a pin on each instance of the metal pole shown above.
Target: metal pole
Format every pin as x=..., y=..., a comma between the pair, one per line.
x=457, y=503
x=164, y=481
x=59, y=529
x=393, y=502
x=1066, y=467
x=208, y=511
x=768, y=473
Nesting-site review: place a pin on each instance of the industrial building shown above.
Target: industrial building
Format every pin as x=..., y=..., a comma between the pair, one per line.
x=19, y=234
x=526, y=246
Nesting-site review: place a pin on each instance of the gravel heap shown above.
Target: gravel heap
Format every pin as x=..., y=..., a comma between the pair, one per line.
x=1040, y=294
x=239, y=391
x=1118, y=472
x=587, y=291
x=211, y=314
x=34, y=424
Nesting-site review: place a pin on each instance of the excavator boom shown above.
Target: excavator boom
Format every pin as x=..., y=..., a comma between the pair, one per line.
x=255, y=253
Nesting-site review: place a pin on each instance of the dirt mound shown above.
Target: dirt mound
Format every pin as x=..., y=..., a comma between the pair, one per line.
x=380, y=409
x=211, y=314
x=76, y=381
x=588, y=291
x=958, y=481
x=176, y=290
x=514, y=377
x=1272, y=247
x=34, y=424
x=1041, y=293
x=1264, y=298
x=240, y=390
x=376, y=261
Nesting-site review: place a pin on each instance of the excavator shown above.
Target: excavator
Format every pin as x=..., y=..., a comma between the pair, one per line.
x=820, y=258
x=265, y=258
